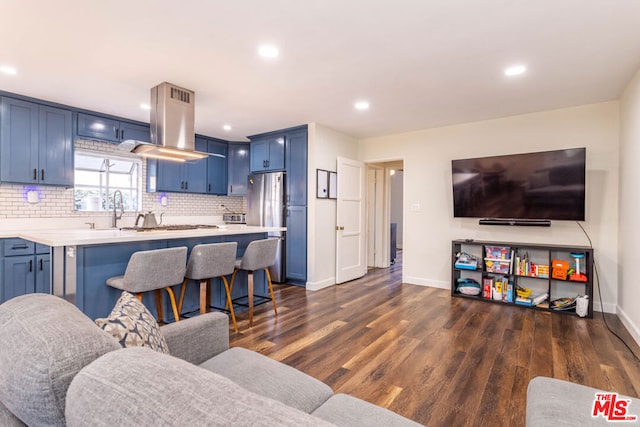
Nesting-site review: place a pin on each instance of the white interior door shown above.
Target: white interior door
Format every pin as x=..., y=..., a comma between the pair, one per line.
x=351, y=255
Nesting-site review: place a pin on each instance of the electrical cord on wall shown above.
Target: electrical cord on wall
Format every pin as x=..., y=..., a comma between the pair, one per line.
x=604, y=319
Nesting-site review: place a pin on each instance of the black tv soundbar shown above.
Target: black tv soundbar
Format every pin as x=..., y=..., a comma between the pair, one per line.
x=524, y=222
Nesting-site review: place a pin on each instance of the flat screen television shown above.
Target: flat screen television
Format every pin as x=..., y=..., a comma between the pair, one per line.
x=548, y=185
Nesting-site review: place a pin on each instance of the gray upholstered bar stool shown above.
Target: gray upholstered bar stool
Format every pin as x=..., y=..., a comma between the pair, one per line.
x=206, y=262
x=260, y=255
x=154, y=270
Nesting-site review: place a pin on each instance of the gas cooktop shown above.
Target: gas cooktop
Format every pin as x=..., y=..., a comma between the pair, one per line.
x=170, y=227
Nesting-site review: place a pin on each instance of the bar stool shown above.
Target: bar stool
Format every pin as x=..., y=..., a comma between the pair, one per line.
x=154, y=270
x=260, y=255
x=206, y=262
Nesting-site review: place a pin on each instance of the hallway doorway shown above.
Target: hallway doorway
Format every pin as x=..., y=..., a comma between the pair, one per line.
x=385, y=213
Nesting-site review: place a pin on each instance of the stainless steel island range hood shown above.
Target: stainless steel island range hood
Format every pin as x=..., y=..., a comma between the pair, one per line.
x=172, y=126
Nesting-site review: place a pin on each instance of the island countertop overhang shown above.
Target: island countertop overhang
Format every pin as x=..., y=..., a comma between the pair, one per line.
x=77, y=237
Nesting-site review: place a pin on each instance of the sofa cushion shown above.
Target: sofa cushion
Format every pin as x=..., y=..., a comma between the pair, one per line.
x=133, y=325
x=270, y=378
x=198, y=338
x=344, y=410
x=7, y=419
x=45, y=341
x=137, y=386
x=556, y=402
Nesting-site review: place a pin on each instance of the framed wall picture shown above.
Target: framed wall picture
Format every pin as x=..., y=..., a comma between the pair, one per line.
x=322, y=178
x=333, y=185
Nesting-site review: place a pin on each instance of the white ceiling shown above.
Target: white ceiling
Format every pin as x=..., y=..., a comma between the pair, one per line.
x=420, y=63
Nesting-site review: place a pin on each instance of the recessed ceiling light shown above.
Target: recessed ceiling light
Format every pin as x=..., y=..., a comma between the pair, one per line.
x=226, y=127
x=515, y=70
x=361, y=105
x=145, y=106
x=268, y=51
x=6, y=69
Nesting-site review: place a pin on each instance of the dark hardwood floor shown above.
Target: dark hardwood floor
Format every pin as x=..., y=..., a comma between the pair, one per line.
x=438, y=360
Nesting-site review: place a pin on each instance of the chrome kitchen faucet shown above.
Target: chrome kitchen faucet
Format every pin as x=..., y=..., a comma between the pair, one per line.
x=116, y=217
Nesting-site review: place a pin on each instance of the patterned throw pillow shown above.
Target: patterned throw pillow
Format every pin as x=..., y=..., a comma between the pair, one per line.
x=133, y=325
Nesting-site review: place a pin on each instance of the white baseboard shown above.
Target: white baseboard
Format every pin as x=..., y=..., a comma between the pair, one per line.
x=606, y=307
x=316, y=286
x=440, y=284
x=628, y=323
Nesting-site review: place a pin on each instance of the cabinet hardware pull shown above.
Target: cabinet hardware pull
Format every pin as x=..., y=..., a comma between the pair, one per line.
x=186, y=185
x=209, y=190
x=122, y=134
x=35, y=174
x=231, y=189
x=117, y=133
x=41, y=174
x=30, y=266
x=19, y=247
x=40, y=265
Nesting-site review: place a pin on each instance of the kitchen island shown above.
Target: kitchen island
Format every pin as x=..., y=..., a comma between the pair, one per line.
x=82, y=261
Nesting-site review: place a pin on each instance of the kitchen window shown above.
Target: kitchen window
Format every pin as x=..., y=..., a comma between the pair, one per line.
x=99, y=175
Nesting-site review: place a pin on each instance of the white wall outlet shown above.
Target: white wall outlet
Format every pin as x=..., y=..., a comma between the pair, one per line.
x=415, y=207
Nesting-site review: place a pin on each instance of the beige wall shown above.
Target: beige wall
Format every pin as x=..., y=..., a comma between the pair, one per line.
x=628, y=295
x=325, y=146
x=427, y=168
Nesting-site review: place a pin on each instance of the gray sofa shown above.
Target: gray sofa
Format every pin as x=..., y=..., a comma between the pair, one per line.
x=58, y=368
x=554, y=402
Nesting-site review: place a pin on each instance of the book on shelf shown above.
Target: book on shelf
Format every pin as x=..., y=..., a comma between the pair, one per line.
x=511, y=262
x=537, y=300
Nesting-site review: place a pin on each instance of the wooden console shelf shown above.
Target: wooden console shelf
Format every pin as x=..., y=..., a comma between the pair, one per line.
x=549, y=270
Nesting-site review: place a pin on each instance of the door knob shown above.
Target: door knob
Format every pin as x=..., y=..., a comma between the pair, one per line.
x=339, y=228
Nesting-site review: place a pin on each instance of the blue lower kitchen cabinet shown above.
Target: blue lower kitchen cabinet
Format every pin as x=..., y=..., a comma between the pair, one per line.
x=43, y=276
x=296, y=247
x=25, y=269
x=36, y=143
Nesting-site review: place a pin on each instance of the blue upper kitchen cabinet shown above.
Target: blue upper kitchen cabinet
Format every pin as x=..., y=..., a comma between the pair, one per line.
x=111, y=129
x=195, y=172
x=169, y=175
x=216, y=166
x=239, y=169
x=36, y=143
x=267, y=154
x=296, y=160
x=178, y=177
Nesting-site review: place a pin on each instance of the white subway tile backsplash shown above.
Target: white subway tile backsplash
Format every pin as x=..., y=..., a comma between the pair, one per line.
x=56, y=202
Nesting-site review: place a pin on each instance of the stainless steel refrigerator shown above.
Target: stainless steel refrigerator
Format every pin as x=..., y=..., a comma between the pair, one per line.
x=266, y=208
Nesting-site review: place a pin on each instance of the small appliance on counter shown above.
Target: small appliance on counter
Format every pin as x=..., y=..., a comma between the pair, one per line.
x=234, y=218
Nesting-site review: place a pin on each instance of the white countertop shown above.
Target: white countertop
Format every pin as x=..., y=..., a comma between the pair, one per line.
x=76, y=237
